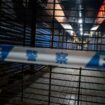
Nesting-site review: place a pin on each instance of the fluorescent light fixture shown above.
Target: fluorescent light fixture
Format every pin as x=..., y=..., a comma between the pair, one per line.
x=70, y=32
x=86, y=34
x=80, y=21
x=81, y=25
x=94, y=28
x=80, y=14
x=81, y=32
x=66, y=26
x=81, y=29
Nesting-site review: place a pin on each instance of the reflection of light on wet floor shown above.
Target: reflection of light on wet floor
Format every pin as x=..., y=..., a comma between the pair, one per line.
x=71, y=100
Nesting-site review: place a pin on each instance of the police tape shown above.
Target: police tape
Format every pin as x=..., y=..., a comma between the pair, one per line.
x=54, y=57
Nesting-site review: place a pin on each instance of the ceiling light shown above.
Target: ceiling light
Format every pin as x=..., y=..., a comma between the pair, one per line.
x=81, y=25
x=81, y=29
x=94, y=28
x=81, y=33
x=80, y=14
x=70, y=32
x=66, y=26
x=80, y=21
x=86, y=34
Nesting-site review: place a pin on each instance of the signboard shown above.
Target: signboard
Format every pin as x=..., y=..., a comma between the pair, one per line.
x=101, y=14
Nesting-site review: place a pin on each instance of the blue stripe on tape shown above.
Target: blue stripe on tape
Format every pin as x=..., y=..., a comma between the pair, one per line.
x=95, y=61
x=4, y=51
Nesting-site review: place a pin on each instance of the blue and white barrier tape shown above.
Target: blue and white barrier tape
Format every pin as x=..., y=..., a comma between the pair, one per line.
x=54, y=57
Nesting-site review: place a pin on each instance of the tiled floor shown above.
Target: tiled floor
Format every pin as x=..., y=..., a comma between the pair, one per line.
x=64, y=88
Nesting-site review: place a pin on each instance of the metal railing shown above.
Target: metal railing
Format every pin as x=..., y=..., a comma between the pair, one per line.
x=63, y=86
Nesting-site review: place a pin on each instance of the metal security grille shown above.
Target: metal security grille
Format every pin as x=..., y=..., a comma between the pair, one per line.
x=15, y=29
x=65, y=86
x=52, y=24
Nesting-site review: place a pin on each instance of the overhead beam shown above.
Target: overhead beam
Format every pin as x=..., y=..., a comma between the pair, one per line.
x=59, y=15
